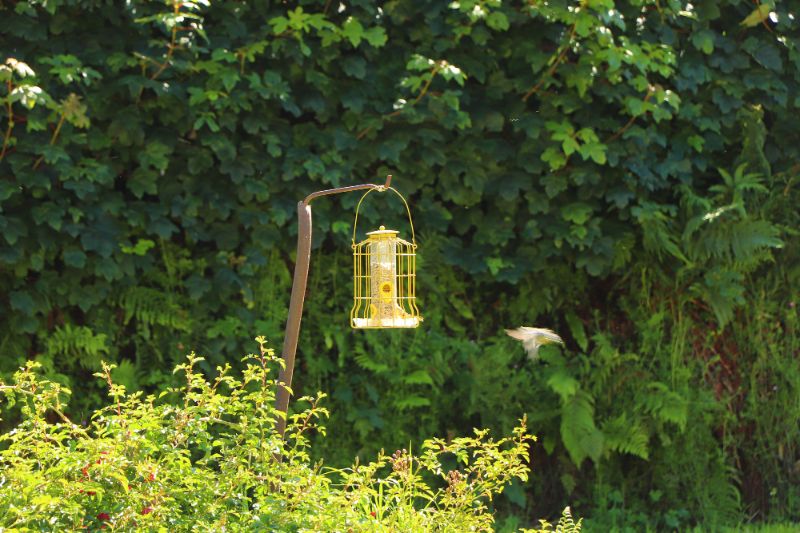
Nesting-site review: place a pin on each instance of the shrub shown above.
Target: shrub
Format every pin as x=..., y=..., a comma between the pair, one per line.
x=207, y=455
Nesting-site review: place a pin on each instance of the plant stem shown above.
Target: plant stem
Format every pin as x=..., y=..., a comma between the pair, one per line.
x=176, y=6
x=763, y=19
x=630, y=122
x=419, y=97
x=10, y=127
x=53, y=139
x=562, y=54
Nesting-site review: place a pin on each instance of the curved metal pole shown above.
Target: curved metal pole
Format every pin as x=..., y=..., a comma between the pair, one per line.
x=299, y=291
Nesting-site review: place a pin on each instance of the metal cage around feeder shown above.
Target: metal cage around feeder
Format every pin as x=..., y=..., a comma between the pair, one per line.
x=384, y=278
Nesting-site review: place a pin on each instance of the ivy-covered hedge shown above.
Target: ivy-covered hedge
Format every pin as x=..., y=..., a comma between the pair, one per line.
x=621, y=171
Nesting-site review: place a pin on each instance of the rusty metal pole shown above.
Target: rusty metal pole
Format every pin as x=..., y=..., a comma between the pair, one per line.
x=295, y=311
x=299, y=283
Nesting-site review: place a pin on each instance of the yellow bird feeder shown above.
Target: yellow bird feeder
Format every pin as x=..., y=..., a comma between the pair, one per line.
x=385, y=284
x=384, y=277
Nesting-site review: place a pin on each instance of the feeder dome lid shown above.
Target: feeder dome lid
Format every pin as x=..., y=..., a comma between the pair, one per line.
x=383, y=232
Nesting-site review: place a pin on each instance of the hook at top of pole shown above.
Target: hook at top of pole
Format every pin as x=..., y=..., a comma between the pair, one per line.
x=380, y=188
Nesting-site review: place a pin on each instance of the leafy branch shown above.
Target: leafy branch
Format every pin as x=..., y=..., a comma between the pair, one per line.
x=650, y=91
x=10, y=127
x=397, y=112
x=423, y=82
x=559, y=58
x=170, y=49
x=70, y=110
x=173, y=22
x=23, y=92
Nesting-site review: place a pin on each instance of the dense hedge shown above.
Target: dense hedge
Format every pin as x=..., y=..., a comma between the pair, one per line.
x=561, y=159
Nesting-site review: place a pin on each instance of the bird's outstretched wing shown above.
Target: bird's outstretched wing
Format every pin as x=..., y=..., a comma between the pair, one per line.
x=533, y=338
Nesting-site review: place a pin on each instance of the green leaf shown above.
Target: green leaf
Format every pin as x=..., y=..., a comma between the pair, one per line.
x=13, y=228
x=418, y=377
x=765, y=53
x=579, y=434
x=143, y=182
x=675, y=409
x=553, y=157
x=576, y=328
x=411, y=402
x=155, y=155
x=279, y=24
x=140, y=249
x=704, y=40
x=595, y=151
x=74, y=258
x=696, y=142
x=497, y=20
x=452, y=72
x=495, y=264
x=516, y=494
x=376, y=36
x=22, y=301
x=625, y=436
x=569, y=145
x=355, y=66
x=461, y=307
x=353, y=31
x=563, y=384
x=578, y=212
x=758, y=15
x=418, y=62
x=8, y=189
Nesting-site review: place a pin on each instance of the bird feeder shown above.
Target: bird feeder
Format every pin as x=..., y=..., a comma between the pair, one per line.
x=384, y=278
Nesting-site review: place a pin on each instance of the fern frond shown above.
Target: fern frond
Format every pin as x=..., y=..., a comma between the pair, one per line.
x=740, y=241
x=152, y=307
x=366, y=361
x=750, y=236
x=566, y=524
x=607, y=362
x=723, y=290
x=665, y=404
x=626, y=436
x=579, y=433
x=78, y=343
x=657, y=231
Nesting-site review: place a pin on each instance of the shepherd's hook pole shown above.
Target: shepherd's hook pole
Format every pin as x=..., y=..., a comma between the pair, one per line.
x=299, y=291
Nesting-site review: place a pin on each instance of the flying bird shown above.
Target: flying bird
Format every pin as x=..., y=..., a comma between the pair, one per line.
x=534, y=338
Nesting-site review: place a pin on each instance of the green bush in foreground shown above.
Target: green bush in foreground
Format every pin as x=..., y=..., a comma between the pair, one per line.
x=204, y=456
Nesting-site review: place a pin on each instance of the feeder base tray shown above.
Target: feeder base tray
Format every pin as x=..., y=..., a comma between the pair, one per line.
x=408, y=322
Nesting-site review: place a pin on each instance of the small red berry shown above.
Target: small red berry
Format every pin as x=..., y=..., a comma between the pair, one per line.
x=103, y=516
x=146, y=510
x=151, y=477
x=372, y=514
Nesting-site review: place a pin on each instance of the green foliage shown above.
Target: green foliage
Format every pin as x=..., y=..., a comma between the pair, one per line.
x=78, y=344
x=715, y=237
x=207, y=455
x=565, y=524
x=622, y=171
